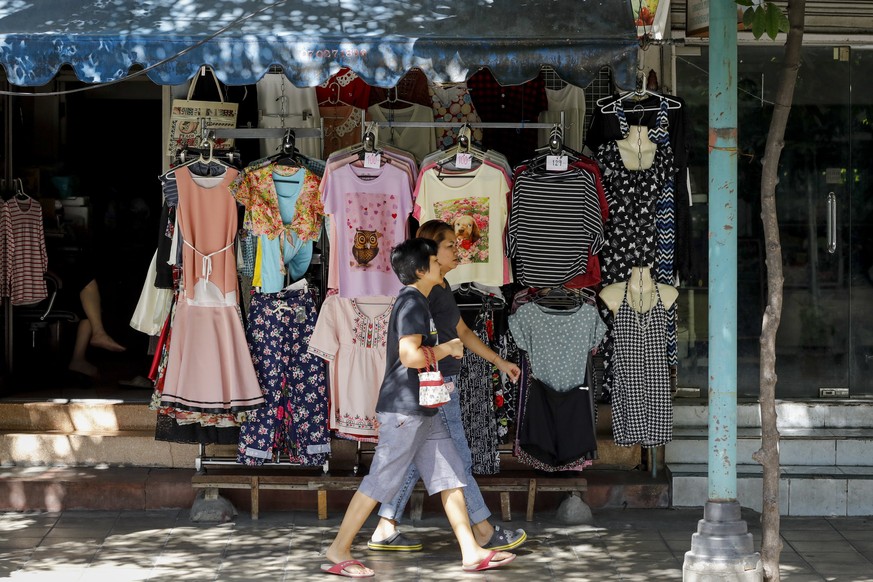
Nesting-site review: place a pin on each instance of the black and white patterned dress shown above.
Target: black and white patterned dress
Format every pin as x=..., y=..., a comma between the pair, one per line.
x=642, y=410
x=641, y=229
x=475, y=386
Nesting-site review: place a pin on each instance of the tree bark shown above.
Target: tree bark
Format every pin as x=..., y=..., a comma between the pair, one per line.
x=768, y=455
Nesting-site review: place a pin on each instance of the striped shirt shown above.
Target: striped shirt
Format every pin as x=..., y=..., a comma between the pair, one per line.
x=23, y=249
x=554, y=224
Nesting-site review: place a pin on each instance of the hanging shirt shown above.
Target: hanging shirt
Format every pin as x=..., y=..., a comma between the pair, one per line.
x=256, y=190
x=24, y=259
x=512, y=104
x=370, y=208
x=419, y=141
x=571, y=102
x=555, y=224
x=476, y=209
x=345, y=86
x=557, y=342
x=352, y=337
x=453, y=104
x=286, y=254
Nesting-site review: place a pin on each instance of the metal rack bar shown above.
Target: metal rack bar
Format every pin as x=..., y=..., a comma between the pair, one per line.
x=214, y=460
x=482, y=124
x=264, y=132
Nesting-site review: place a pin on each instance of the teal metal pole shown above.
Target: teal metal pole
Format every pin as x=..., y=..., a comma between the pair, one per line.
x=722, y=250
x=722, y=549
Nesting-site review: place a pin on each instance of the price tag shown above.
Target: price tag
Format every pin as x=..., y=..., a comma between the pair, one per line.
x=556, y=163
x=464, y=161
x=372, y=160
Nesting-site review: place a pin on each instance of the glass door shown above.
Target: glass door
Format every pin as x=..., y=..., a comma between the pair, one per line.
x=825, y=340
x=860, y=225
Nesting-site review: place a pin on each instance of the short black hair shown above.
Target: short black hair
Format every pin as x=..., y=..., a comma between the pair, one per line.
x=412, y=256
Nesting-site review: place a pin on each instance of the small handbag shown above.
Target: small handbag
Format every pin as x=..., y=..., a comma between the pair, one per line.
x=432, y=390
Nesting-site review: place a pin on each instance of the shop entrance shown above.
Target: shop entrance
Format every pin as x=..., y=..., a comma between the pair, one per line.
x=825, y=205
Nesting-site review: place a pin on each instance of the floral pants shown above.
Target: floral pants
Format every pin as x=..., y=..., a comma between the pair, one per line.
x=293, y=419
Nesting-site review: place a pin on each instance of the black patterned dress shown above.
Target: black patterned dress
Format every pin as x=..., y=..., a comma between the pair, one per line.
x=641, y=229
x=475, y=385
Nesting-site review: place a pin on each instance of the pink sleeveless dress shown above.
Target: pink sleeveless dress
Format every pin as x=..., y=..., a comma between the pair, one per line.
x=209, y=368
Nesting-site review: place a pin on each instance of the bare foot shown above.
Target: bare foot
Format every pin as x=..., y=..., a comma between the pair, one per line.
x=85, y=368
x=336, y=557
x=104, y=341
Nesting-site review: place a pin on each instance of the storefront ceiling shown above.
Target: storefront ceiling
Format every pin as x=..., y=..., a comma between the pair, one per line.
x=311, y=39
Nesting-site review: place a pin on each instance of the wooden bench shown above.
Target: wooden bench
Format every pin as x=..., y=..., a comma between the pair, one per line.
x=213, y=481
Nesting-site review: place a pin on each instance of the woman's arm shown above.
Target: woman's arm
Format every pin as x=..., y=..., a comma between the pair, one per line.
x=478, y=347
x=412, y=356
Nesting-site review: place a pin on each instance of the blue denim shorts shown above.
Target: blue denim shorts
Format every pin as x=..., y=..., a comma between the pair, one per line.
x=405, y=439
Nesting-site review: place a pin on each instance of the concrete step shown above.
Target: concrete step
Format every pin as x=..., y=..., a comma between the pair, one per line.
x=846, y=413
x=72, y=415
x=797, y=446
x=804, y=490
x=137, y=488
x=93, y=448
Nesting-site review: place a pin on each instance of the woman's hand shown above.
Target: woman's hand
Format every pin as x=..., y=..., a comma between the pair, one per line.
x=508, y=368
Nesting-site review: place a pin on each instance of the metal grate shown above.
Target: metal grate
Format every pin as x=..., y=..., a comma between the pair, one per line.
x=553, y=81
x=601, y=86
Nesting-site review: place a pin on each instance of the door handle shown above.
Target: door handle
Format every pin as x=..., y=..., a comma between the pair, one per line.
x=832, y=222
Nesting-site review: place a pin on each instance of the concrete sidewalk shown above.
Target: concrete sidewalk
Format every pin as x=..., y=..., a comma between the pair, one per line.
x=626, y=545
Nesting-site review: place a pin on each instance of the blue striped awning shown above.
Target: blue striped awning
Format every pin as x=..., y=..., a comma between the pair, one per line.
x=311, y=39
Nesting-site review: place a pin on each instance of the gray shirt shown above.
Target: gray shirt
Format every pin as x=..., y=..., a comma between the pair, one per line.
x=557, y=342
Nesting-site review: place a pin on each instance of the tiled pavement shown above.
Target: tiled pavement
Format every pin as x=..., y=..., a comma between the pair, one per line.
x=627, y=545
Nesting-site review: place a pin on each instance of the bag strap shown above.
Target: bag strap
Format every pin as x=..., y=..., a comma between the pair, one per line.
x=429, y=359
x=201, y=72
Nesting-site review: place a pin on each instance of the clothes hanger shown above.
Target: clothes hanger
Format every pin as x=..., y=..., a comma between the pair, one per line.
x=467, y=289
x=332, y=99
x=20, y=194
x=607, y=104
x=559, y=298
x=463, y=146
x=288, y=154
x=395, y=101
x=554, y=147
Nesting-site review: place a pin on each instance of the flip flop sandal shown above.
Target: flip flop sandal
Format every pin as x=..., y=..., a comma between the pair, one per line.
x=396, y=543
x=487, y=564
x=340, y=569
x=504, y=539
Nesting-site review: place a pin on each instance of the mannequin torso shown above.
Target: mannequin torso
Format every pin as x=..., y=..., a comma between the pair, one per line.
x=637, y=150
x=641, y=295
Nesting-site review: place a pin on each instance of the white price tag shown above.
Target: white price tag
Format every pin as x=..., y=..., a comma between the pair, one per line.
x=556, y=163
x=464, y=161
x=372, y=160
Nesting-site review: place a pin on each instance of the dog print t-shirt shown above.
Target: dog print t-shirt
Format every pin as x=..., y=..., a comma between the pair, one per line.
x=370, y=208
x=475, y=206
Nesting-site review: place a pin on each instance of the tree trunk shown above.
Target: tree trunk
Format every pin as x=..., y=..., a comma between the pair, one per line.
x=768, y=455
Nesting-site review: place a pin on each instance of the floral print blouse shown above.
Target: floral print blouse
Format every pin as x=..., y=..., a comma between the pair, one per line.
x=256, y=190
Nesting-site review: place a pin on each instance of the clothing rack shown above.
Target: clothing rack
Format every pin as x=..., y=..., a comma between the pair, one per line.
x=218, y=460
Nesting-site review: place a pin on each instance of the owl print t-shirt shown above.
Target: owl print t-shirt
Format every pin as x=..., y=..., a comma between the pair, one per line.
x=370, y=208
x=476, y=209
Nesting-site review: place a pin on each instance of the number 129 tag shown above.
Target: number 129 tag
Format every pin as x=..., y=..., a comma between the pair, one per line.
x=464, y=161
x=556, y=163
x=372, y=160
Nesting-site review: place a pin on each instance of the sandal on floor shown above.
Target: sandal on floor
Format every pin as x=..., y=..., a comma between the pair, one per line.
x=504, y=539
x=340, y=569
x=487, y=563
x=396, y=543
